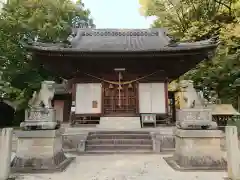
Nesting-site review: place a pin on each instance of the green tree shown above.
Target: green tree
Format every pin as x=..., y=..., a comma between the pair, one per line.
x=194, y=20
x=37, y=20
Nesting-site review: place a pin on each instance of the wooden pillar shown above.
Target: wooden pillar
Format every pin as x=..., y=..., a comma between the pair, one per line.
x=166, y=95
x=174, y=108
x=5, y=152
x=73, y=99
x=233, y=153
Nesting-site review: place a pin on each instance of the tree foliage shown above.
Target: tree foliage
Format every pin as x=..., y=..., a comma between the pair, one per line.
x=39, y=20
x=193, y=20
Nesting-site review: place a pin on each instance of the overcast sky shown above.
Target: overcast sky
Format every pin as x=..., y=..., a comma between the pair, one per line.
x=117, y=14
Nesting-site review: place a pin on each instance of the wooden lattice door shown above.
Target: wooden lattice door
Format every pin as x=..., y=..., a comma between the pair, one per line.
x=120, y=102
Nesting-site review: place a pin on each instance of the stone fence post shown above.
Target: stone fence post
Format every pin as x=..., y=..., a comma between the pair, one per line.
x=5, y=152
x=233, y=153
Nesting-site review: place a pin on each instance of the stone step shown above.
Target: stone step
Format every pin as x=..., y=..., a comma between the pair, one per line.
x=119, y=142
x=84, y=125
x=120, y=147
x=116, y=141
x=119, y=152
x=119, y=132
x=118, y=136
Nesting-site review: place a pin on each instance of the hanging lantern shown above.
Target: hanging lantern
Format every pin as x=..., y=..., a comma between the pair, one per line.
x=110, y=86
x=130, y=86
x=120, y=87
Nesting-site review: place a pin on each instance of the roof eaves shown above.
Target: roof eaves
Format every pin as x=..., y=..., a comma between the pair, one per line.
x=164, y=49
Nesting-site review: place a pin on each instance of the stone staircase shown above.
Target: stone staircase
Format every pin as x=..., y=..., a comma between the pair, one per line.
x=119, y=142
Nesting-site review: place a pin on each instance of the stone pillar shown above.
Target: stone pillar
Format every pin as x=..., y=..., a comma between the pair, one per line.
x=75, y=142
x=156, y=142
x=163, y=142
x=167, y=142
x=233, y=154
x=5, y=152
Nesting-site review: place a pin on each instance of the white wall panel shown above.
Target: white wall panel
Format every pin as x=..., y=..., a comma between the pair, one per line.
x=86, y=95
x=80, y=98
x=152, y=98
x=158, y=98
x=144, y=97
x=96, y=94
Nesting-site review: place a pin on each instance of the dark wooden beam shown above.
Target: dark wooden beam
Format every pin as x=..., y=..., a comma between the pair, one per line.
x=69, y=67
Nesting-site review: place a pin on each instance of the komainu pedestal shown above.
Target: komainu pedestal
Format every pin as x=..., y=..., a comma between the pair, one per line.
x=197, y=150
x=39, y=118
x=198, y=142
x=39, y=151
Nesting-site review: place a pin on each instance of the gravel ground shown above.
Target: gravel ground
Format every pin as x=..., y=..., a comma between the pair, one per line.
x=123, y=167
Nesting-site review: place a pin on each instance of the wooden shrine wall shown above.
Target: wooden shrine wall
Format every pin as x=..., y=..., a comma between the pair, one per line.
x=94, y=96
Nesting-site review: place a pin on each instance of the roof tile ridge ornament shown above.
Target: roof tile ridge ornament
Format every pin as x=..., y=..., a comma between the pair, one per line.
x=74, y=37
x=172, y=40
x=27, y=41
x=77, y=33
x=214, y=40
x=211, y=41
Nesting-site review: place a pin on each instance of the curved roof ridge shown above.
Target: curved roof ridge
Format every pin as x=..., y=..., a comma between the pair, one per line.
x=119, y=32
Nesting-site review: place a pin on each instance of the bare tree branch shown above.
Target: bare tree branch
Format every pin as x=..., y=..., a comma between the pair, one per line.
x=225, y=5
x=178, y=16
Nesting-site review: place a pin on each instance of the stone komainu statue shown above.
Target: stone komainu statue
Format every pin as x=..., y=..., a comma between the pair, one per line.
x=193, y=115
x=41, y=114
x=191, y=98
x=44, y=96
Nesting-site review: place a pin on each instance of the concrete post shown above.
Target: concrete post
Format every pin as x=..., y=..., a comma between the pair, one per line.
x=156, y=142
x=5, y=152
x=153, y=136
x=233, y=153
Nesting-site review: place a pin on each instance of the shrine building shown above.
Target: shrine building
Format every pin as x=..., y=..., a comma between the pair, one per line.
x=119, y=73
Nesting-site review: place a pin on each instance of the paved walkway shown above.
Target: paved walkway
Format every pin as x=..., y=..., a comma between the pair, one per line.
x=123, y=167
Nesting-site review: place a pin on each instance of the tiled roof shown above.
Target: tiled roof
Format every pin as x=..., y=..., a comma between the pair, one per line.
x=115, y=40
x=224, y=109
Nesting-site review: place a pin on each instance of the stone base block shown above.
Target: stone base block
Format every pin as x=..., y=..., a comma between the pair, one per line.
x=41, y=165
x=167, y=143
x=202, y=162
x=197, y=125
x=40, y=125
x=39, y=151
x=198, y=149
x=172, y=163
